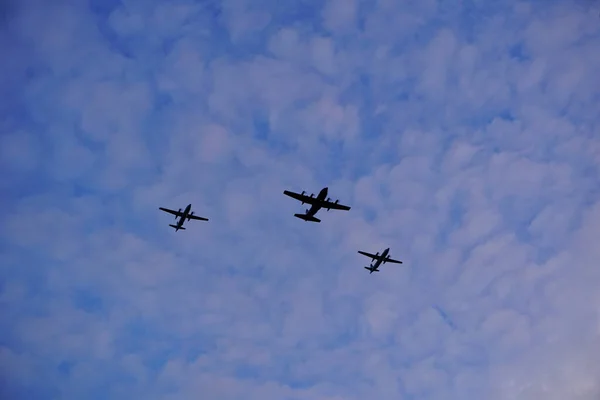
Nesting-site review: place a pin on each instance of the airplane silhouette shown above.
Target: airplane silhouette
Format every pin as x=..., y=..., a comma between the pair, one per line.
x=383, y=258
x=186, y=214
x=321, y=201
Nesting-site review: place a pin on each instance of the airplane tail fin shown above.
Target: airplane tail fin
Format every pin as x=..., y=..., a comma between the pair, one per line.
x=307, y=217
x=175, y=226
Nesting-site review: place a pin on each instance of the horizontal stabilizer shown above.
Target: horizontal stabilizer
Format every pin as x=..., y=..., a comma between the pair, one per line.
x=371, y=270
x=175, y=226
x=307, y=217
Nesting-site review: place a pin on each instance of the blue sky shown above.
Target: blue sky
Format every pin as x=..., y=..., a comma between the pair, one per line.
x=464, y=135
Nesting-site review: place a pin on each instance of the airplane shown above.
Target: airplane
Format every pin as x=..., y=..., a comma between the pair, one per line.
x=321, y=201
x=383, y=258
x=186, y=214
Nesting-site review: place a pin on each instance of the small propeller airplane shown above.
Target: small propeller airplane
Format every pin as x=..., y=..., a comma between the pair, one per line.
x=383, y=258
x=186, y=214
x=321, y=201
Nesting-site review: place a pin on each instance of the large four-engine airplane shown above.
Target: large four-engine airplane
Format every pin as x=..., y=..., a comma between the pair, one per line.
x=321, y=201
x=186, y=214
x=383, y=258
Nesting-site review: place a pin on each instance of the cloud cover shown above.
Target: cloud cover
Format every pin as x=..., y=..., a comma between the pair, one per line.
x=464, y=135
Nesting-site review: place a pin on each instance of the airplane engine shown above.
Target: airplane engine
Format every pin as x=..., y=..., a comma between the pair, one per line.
x=191, y=214
x=312, y=195
x=179, y=212
x=337, y=201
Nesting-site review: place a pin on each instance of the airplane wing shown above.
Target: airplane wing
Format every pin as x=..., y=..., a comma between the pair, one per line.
x=197, y=218
x=300, y=197
x=334, y=206
x=390, y=260
x=177, y=213
x=372, y=256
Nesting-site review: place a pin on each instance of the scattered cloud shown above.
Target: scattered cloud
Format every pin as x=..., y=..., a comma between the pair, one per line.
x=464, y=138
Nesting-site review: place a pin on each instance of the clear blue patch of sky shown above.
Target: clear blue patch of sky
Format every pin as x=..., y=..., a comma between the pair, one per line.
x=101, y=13
x=369, y=214
x=65, y=367
x=18, y=185
x=103, y=8
x=13, y=108
x=88, y=301
x=472, y=16
x=519, y=52
x=246, y=371
x=262, y=128
x=32, y=270
x=41, y=390
x=15, y=70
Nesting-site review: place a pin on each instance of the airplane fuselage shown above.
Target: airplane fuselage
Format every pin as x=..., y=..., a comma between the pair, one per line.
x=380, y=260
x=322, y=196
x=184, y=216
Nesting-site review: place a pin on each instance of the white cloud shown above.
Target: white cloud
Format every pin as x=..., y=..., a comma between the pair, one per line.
x=463, y=140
